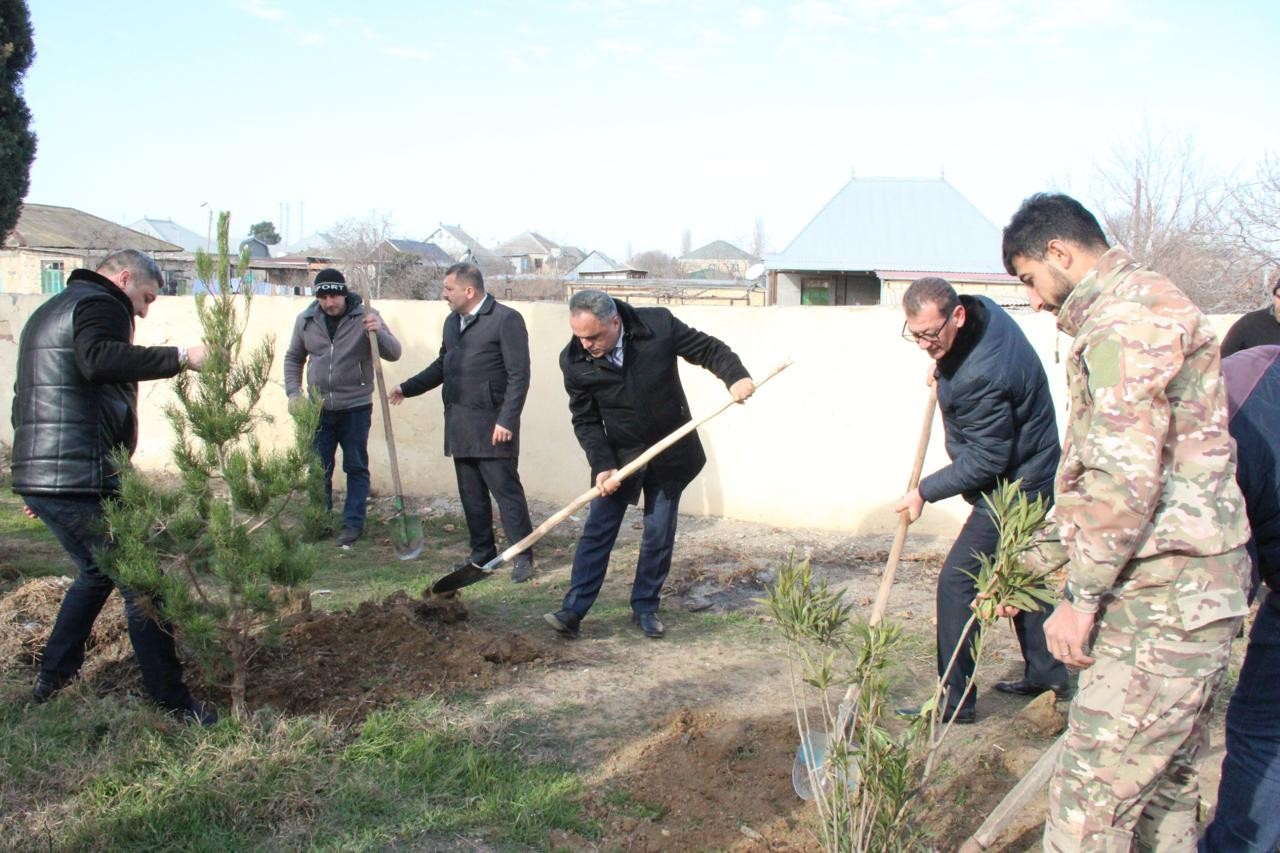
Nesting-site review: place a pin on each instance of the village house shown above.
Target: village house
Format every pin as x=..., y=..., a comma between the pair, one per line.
x=50, y=241
x=718, y=259
x=461, y=246
x=597, y=266
x=878, y=235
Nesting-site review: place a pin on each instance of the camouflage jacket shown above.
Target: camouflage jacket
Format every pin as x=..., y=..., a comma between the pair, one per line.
x=1148, y=467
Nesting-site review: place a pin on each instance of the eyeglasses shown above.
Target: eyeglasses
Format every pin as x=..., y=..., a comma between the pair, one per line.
x=930, y=337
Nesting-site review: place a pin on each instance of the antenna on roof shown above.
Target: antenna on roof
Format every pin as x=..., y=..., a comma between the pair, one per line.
x=943, y=172
x=853, y=172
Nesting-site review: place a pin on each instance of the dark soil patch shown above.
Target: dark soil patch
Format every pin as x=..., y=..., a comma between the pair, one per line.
x=350, y=662
x=345, y=664
x=704, y=781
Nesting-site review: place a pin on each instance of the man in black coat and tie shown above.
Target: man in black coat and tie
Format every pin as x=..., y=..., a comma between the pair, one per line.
x=623, y=379
x=484, y=367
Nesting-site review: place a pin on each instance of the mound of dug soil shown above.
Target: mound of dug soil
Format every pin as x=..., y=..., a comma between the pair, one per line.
x=705, y=781
x=350, y=662
x=346, y=663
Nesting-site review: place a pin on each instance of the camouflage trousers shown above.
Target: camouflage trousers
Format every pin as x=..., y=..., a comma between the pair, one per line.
x=1127, y=778
x=1129, y=769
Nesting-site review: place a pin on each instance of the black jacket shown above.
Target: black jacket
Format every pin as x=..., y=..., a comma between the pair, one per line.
x=996, y=409
x=485, y=373
x=1255, y=329
x=1253, y=389
x=76, y=393
x=618, y=413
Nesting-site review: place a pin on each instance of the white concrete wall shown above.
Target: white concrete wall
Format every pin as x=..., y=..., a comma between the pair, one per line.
x=788, y=289
x=827, y=444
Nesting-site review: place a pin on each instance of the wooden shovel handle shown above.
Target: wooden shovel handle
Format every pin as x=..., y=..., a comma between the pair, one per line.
x=618, y=476
x=900, y=538
x=895, y=554
x=382, y=398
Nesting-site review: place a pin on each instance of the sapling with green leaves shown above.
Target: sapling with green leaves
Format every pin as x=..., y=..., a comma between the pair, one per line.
x=871, y=772
x=219, y=550
x=1003, y=580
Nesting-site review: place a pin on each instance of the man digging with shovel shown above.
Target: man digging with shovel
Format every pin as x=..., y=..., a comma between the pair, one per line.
x=998, y=417
x=624, y=388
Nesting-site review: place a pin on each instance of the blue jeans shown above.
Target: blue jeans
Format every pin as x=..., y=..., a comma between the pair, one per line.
x=591, y=561
x=77, y=524
x=349, y=430
x=1248, y=815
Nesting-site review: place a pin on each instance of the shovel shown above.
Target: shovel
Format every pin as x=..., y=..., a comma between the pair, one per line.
x=809, y=765
x=406, y=530
x=471, y=573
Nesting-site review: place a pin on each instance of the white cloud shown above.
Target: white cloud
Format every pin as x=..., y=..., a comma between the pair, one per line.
x=311, y=39
x=408, y=53
x=260, y=9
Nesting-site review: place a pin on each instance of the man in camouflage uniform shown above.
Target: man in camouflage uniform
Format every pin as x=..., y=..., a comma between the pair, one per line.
x=1152, y=525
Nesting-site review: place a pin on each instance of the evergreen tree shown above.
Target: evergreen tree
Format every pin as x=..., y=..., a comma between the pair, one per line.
x=17, y=142
x=220, y=549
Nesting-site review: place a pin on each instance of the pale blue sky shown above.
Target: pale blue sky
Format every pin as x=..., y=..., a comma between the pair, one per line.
x=622, y=122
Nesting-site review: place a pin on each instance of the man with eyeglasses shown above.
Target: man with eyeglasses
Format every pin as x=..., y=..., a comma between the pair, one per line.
x=999, y=423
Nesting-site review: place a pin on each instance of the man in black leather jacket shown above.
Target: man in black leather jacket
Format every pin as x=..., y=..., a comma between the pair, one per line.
x=75, y=403
x=994, y=398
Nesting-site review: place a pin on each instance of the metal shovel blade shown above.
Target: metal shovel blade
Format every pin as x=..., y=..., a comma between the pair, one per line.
x=458, y=578
x=810, y=765
x=406, y=533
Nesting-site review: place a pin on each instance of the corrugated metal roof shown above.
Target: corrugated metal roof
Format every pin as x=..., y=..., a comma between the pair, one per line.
x=596, y=262
x=717, y=250
x=48, y=226
x=429, y=252
x=172, y=232
x=895, y=223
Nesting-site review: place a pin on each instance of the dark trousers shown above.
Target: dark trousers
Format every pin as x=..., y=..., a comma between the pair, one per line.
x=957, y=591
x=78, y=526
x=591, y=561
x=1248, y=815
x=477, y=480
x=349, y=430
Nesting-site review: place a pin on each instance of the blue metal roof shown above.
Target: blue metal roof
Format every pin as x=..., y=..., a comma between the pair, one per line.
x=895, y=223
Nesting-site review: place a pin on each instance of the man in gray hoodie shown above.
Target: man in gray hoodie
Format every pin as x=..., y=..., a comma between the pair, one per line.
x=333, y=334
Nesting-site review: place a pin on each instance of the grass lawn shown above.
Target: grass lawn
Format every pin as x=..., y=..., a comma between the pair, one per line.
x=110, y=772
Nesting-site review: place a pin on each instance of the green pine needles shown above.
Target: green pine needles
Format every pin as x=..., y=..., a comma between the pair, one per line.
x=219, y=551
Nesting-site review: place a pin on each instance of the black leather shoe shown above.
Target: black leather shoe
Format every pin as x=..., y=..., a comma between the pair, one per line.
x=650, y=624
x=45, y=688
x=523, y=569
x=965, y=717
x=1022, y=687
x=565, y=622
x=195, y=712
x=349, y=535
